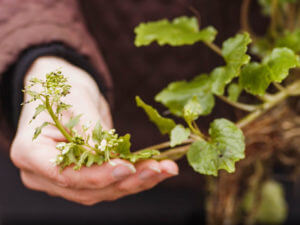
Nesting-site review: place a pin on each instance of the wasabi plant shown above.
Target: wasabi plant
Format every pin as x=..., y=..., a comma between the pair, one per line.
x=267, y=82
x=78, y=150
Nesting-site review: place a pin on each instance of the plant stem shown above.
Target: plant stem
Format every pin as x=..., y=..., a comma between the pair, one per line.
x=272, y=101
x=56, y=121
x=273, y=26
x=244, y=18
x=214, y=47
x=60, y=127
x=195, y=130
x=164, y=145
x=242, y=106
x=173, y=154
x=278, y=86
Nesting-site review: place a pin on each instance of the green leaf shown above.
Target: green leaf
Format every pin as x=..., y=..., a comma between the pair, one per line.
x=123, y=147
x=69, y=154
x=203, y=158
x=221, y=76
x=35, y=95
x=73, y=121
x=40, y=108
x=255, y=78
x=273, y=207
x=143, y=154
x=178, y=135
x=225, y=147
x=192, y=110
x=165, y=125
x=177, y=94
x=234, y=52
x=290, y=40
x=234, y=91
x=39, y=129
x=82, y=160
x=62, y=107
x=181, y=31
x=279, y=62
x=97, y=134
x=94, y=159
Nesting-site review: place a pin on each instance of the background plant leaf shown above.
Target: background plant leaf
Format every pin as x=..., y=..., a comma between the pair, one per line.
x=273, y=207
x=165, y=125
x=256, y=77
x=177, y=94
x=181, y=31
x=234, y=52
x=290, y=40
x=234, y=90
x=178, y=135
x=225, y=147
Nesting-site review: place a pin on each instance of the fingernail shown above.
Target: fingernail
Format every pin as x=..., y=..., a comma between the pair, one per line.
x=123, y=171
x=172, y=172
x=149, y=172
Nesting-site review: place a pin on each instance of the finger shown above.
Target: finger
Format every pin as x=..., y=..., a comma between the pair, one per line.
x=149, y=173
x=87, y=177
x=82, y=196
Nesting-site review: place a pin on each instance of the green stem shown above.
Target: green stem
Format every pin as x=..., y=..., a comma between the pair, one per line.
x=244, y=18
x=164, y=145
x=278, y=86
x=214, y=47
x=60, y=127
x=173, y=154
x=56, y=121
x=242, y=106
x=195, y=130
x=273, y=25
x=272, y=101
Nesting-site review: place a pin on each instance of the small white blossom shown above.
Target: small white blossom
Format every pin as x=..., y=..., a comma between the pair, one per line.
x=87, y=125
x=103, y=145
x=60, y=145
x=65, y=151
x=112, y=131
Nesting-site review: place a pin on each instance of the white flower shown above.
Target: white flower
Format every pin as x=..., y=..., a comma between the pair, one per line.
x=65, y=151
x=112, y=131
x=60, y=145
x=103, y=145
x=87, y=125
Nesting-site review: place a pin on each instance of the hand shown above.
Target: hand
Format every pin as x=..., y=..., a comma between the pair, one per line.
x=87, y=186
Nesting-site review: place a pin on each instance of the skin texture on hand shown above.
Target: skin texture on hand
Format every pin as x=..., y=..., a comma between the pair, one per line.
x=87, y=186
